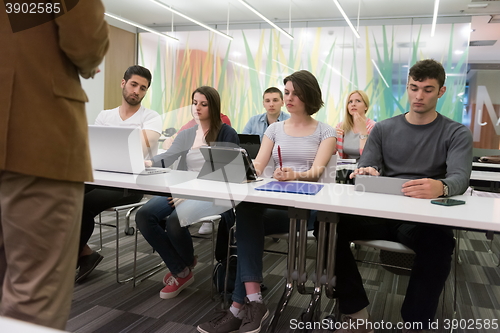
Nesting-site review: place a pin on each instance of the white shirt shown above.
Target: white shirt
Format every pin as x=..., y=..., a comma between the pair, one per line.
x=145, y=119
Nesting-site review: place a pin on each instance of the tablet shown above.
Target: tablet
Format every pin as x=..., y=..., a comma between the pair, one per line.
x=226, y=164
x=291, y=187
x=379, y=184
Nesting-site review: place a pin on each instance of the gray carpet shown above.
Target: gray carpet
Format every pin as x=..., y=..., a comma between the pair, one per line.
x=100, y=304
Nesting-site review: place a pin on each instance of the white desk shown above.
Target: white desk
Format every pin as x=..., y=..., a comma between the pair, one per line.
x=13, y=325
x=156, y=183
x=477, y=213
x=480, y=165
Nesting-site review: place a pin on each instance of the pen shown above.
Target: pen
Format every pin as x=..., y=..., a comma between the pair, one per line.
x=279, y=157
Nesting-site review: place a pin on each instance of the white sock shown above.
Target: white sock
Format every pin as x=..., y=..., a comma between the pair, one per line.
x=236, y=312
x=184, y=273
x=257, y=297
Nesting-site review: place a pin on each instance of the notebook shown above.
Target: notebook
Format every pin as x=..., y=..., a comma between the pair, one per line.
x=291, y=187
x=379, y=184
x=118, y=149
x=226, y=164
x=251, y=143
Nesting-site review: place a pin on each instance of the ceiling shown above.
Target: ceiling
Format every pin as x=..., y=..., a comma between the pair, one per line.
x=218, y=13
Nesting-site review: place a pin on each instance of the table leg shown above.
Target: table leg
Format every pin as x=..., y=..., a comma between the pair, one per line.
x=292, y=265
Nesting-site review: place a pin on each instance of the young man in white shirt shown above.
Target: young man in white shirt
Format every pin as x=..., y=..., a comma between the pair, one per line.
x=130, y=113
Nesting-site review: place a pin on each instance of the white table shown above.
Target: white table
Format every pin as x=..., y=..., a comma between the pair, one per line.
x=478, y=213
x=482, y=166
x=486, y=179
x=14, y=325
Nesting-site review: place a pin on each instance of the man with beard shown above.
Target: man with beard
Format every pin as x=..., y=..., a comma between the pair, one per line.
x=130, y=113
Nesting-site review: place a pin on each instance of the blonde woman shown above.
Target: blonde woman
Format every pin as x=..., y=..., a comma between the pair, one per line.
x=353, y=132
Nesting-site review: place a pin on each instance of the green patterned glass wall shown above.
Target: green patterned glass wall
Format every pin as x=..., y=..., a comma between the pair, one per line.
x=242, y=69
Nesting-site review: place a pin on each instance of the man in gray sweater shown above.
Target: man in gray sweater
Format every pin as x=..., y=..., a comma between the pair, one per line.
x=436, y=153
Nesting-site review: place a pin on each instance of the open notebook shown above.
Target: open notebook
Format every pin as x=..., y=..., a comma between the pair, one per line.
x=118, y=149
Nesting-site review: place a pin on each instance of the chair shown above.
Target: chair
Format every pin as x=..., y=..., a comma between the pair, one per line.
x=398, y=259
x=128, y=231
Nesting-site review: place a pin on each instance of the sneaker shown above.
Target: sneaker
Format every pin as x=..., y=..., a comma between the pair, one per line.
x=193, y=265
x=223, y=322
x=350, y=325
x=175, y=285
x=255, y=314
x=87, y=264
x=205, y=229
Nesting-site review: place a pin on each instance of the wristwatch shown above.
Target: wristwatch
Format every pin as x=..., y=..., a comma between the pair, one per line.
x=445, y=189
x=363, y=136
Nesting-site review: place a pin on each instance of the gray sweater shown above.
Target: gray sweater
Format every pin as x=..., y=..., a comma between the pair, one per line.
x=440, y=150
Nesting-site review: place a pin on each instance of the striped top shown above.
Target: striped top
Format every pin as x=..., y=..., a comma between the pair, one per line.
x=297, y=153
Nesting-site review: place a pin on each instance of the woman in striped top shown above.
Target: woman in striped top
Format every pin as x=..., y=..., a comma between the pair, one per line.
x=353, y=132
x=306, y=147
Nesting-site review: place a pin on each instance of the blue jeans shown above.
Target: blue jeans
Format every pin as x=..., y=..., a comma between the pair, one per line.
x=174, y=244
x=253, y=222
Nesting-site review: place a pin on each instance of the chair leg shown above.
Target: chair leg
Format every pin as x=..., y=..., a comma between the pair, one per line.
x=100, y=234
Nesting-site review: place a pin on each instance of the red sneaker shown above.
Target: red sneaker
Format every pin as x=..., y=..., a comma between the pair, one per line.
x=175, y=285
x=168, y=275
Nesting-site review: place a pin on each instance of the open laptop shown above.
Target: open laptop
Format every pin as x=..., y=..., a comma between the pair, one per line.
x=118, y=149
x=379, y=184
x=251, y=143
x=226, y=164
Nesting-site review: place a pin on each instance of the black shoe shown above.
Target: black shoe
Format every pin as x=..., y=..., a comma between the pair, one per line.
x=87, y=265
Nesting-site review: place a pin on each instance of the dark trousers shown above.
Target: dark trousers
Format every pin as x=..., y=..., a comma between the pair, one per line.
x=95, y=201
x=432, y=244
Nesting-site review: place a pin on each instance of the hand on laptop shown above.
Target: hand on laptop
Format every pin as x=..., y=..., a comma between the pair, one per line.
x=284, y=174
x=424, y=188
x=365, y=171
x=148, y=163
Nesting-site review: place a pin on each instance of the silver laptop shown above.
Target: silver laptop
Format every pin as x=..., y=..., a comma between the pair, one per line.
x=118, y=149
x=379, y=184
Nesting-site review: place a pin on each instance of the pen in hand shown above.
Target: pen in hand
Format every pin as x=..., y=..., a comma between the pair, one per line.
x=280, y=159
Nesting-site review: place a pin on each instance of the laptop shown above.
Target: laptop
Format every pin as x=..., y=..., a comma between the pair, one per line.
x=226, y=164
x=118, y=149
x=379, y=184
x=251, y=143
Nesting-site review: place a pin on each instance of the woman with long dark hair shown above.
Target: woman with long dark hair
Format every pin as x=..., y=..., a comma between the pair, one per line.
x=174, y=243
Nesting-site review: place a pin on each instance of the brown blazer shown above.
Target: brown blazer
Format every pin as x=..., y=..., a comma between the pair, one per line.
x=43, y=125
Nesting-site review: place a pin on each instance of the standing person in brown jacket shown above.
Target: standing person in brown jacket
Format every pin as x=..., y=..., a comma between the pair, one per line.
x=44, y=156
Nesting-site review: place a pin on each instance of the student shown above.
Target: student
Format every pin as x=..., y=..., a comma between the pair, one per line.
x=306, y=147
x=434, y=151
x=272, y=101
x=167, y=143
x=44, y=154
x=353, y=132
x=174, y=244
x=135, y=84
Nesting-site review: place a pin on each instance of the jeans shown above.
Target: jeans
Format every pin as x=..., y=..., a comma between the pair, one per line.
x=432, y=244
x=95, y=201
x=253, y=222
x=174, y=243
